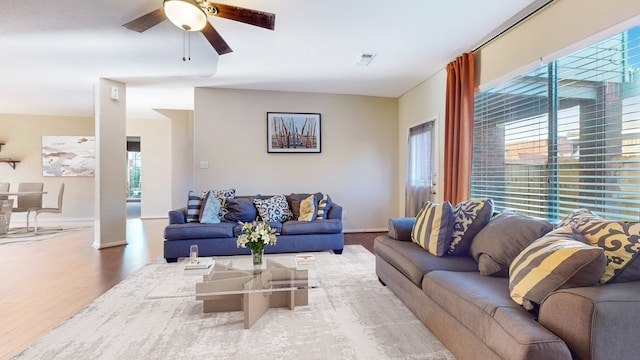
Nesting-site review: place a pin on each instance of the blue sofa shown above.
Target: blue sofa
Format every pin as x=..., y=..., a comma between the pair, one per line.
x=220, y=239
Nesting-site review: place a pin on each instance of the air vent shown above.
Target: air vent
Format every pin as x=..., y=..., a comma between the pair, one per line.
x=365, y=59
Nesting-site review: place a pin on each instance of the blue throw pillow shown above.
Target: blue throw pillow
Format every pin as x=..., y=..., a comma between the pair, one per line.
x=240, y=209
x=210, y=211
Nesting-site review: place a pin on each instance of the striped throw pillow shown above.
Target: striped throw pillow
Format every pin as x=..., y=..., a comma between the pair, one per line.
x=433, y=227
x=194, y=203
x=556, y=260
x=323, y=207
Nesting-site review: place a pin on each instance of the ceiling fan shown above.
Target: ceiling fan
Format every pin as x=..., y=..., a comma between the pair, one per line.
x=191, y=15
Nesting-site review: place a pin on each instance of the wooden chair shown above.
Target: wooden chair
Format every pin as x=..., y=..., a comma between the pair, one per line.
x=56, y=210
x=30, y=202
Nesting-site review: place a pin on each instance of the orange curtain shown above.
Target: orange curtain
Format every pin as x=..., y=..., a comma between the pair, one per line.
x=458, y=143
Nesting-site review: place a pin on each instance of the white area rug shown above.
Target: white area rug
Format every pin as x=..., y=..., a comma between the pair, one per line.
x=350, y=316
x=22, y=236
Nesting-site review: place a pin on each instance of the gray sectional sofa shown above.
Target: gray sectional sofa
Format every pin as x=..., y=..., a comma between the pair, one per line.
x=475, y=317
x=220, y=238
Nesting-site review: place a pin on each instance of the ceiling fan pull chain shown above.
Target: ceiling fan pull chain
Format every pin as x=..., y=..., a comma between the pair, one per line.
x=184, y=45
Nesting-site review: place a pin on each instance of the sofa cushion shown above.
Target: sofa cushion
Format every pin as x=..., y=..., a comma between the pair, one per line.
x=277, y=226
x=414, y=261
x=240, y=209
x=198, y=231
x=329, y=226
x=619, y=239
x=324, y=205
x=482, y=305
x=556, y=260
x=470, y=217
x=194, y=203
x=210, y=211
x=275, y=208
x=503, y=238
x=308, y=209
x=433, y=227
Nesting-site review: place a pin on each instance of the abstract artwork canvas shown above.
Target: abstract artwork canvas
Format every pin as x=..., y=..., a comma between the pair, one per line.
x=68, y=155
x=293, y=132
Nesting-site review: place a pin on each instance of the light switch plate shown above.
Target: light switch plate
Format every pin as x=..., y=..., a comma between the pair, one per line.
x=115, y=93
x=204, y=164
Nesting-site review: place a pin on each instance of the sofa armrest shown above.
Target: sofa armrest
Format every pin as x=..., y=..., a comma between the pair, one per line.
x=335, y=212
x=178, y=216
x=595, y=322
x=400, y=228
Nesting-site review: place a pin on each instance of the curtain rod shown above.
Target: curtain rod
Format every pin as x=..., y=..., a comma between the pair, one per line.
x=513, y=22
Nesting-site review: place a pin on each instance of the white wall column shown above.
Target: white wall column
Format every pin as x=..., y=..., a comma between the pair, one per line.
x=110, y=224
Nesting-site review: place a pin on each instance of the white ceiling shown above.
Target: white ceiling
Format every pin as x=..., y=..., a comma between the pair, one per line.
x=52, y=52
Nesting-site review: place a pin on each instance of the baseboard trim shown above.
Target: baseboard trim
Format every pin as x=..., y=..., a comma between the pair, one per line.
x=104, y=246
x=346, y=231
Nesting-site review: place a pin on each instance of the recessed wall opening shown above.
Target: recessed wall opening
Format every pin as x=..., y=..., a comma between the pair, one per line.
x=134, y=185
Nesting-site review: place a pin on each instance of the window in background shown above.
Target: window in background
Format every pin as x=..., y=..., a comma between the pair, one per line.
x=419, y=168
x=134, y=187
x=564, y=136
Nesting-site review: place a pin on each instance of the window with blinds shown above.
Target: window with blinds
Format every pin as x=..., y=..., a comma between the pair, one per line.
x=564, y=136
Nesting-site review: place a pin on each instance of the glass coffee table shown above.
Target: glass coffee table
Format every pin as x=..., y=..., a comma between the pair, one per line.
x=233, y=283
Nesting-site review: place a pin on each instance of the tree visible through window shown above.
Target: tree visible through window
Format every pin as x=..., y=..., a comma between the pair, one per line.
x=564, y=136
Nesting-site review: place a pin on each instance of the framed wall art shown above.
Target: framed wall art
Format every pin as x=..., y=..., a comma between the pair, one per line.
x=293, y=132
x=68, y=155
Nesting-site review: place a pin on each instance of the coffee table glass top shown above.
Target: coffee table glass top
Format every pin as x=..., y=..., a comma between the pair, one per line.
x=235, y=275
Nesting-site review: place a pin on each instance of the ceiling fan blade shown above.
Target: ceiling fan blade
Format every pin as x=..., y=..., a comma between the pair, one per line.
x=252, y=17
x=214, y=38
x=145, y=22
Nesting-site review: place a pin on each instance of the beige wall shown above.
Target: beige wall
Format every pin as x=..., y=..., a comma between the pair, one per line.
x=181, y=156
x=357, y=166
x=555, y=31
x=22, y=135
x=155, y=161
x=424, y=103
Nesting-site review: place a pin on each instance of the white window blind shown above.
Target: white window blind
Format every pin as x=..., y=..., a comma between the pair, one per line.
x=564, y=136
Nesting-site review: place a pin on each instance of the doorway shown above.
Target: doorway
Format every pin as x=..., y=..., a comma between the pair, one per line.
x=134, y=169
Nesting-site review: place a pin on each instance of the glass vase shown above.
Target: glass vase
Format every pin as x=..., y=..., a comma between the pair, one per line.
x=256, y=256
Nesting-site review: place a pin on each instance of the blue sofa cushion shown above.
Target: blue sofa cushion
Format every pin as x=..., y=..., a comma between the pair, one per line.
x=277, y=226
x=198, y=231
x=331, y=226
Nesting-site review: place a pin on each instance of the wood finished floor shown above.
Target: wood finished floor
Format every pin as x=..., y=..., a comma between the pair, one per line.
x=43, y=283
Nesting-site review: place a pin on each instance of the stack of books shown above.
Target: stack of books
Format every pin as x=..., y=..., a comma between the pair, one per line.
x=200, y=264
x=305, y=259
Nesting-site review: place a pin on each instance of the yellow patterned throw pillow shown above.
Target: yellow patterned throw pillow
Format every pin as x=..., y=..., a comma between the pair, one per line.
x=308, y=209
x=619, y=239
x=556, y=260
x=433, y=227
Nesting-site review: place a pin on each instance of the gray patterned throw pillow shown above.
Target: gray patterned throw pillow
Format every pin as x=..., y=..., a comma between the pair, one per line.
x=470, y=217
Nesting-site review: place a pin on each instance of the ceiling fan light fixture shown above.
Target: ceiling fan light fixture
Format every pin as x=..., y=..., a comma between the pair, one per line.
x=185, y=14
